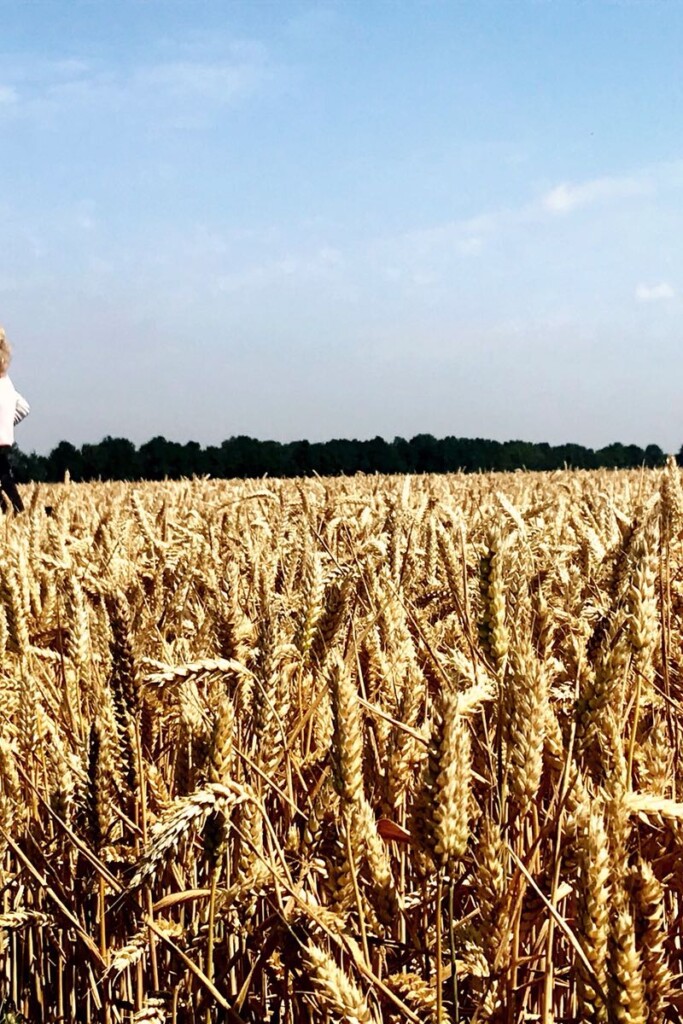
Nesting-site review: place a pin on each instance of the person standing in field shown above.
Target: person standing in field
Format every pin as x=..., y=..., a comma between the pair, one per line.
x=13, y=409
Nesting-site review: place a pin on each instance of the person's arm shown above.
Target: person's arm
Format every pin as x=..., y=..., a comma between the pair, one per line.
x=22, y=409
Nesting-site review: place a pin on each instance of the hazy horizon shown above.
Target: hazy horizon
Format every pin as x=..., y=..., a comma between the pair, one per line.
x=320, y=220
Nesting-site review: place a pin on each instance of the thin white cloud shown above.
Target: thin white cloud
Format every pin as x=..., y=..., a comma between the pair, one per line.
x=568, y=196
x=8, y=95
x=654, y=292
x=215, y=82
x=468, y=246
x=34, y=87
x=470, y=236
x=398, y=254
x=324, y=264
x=84, y=215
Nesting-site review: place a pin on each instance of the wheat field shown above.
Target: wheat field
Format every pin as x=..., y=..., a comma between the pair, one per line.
x=363, y=750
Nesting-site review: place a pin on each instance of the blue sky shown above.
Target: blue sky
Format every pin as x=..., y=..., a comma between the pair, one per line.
x=343, y=219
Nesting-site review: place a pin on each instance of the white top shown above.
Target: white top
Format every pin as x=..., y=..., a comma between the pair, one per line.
x=13, y=409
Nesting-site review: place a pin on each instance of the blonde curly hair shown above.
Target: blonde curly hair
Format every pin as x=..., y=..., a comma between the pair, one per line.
x=5, y=353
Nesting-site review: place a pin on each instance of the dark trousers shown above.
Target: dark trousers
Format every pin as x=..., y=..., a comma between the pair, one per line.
x=9, y=487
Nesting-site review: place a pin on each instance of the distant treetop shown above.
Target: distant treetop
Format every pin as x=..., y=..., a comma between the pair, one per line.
x=116, y=458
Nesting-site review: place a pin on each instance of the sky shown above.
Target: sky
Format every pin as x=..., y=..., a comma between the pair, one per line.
x=343, y=219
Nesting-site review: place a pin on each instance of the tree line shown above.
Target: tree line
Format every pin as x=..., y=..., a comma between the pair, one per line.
x=116, y=458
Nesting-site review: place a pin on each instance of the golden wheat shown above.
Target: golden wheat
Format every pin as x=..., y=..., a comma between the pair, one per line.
x=366, y=750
